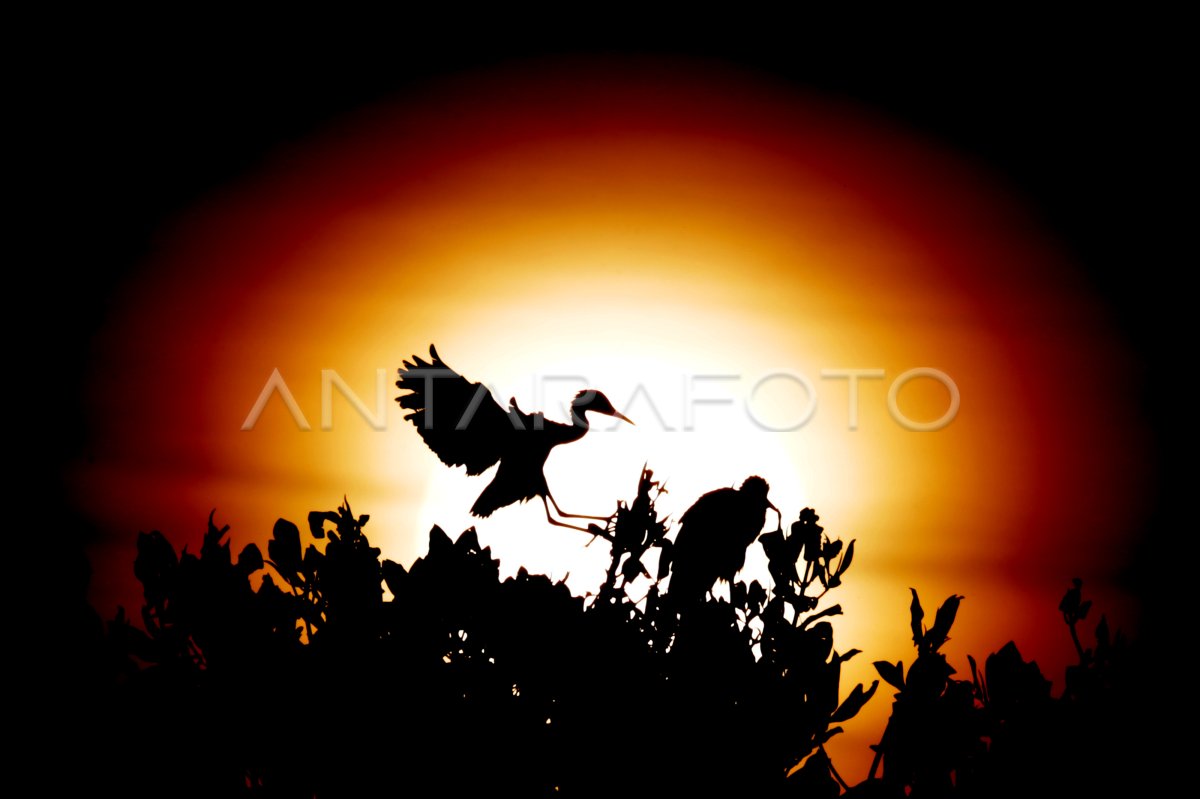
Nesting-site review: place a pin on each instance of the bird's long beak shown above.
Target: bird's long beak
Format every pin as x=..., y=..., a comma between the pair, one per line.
x=623, y=417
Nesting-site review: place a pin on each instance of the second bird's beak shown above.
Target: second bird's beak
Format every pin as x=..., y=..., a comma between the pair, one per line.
x=623, y=417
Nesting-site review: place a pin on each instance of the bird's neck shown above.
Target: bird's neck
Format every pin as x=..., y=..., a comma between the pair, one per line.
x=579, y=419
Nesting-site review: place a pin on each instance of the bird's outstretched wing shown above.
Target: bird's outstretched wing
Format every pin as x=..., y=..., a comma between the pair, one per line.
x=459, y=420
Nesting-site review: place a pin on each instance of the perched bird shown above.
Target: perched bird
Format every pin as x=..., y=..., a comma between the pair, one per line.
x=713, y=536
x=464, y=426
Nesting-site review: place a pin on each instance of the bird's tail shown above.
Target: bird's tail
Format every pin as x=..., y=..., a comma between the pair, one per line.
x=486, y=504
x=497, y=496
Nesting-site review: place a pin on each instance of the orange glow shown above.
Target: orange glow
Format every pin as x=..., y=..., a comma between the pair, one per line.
x=637, y=229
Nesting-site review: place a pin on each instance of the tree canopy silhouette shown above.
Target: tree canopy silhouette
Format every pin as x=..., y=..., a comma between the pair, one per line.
x=322, y=670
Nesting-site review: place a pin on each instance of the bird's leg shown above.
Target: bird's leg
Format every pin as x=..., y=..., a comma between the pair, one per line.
x=562, y=512
x=550, y=518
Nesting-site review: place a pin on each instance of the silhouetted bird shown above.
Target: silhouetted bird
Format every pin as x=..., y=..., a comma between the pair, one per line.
x=713, y=536
x=464, y=426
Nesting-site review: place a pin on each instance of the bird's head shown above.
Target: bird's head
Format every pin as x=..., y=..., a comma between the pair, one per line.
x=755, y=489
x=592, y=400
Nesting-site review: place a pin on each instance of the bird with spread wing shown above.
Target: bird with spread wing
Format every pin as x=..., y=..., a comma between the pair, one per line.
x=464, y=426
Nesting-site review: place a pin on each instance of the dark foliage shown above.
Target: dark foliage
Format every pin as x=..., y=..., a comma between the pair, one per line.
x=1001, y=733
x=296, y=674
